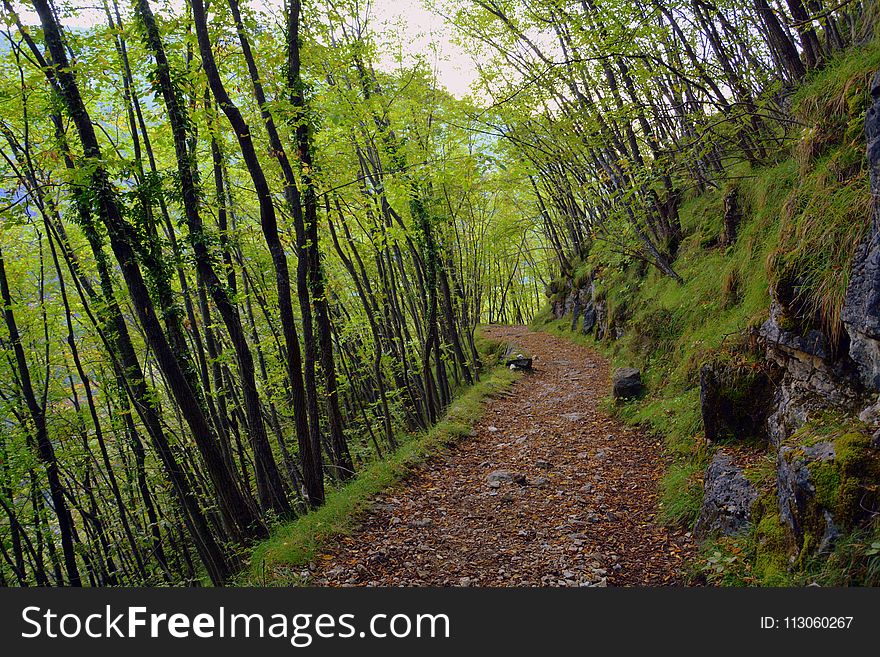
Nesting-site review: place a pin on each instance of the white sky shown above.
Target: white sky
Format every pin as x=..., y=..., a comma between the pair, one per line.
x=427, y=33
x=420, y=30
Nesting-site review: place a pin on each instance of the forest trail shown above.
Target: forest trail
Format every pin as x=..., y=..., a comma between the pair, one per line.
x=579, y=508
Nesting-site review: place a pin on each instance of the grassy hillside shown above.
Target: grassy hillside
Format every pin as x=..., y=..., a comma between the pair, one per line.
x=802, y=218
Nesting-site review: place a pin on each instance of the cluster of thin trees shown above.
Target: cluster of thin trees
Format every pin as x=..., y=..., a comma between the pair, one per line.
x=639, y=103
x=236, y=261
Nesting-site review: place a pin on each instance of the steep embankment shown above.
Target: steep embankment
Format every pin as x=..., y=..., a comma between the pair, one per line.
x=761, y=366
x=547, y=491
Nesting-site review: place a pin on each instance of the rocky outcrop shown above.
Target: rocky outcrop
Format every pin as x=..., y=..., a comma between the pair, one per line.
x=861, y=311
x=814, y=377
x=626, y=383
x=825, y=479
x=823, y=486
x=588, y=313
x=727, y=500
x=815, y=380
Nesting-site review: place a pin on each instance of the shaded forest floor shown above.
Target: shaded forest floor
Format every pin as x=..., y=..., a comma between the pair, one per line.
x=549, y=491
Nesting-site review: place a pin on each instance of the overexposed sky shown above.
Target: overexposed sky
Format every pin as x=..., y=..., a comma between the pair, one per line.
x=407, y=25
x=427, y=33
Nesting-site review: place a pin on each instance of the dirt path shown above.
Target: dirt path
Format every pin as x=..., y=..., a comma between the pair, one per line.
x=583, y=516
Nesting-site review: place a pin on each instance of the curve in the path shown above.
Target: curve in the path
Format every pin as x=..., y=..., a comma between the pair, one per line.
x=584, y=514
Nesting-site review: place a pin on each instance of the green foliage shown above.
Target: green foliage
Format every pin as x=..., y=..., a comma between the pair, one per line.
x=823, y=223
x=725, y=562
x=759, y=557
x=682, y=493
x=823, y=219
x=834, y=99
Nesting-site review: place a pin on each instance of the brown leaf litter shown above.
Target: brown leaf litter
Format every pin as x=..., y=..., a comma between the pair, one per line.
x=550, y=491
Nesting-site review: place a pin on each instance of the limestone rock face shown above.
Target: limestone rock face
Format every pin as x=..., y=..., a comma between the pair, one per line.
x=727, y=499
x=813, y=378
x=861, y=311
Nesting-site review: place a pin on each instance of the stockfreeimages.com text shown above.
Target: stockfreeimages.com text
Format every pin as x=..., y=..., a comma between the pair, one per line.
x=300, y=629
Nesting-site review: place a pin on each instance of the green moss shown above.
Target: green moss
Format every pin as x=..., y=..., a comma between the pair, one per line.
x=825, y=478
x=771, y=554
x=848, y=484
x=858, y=467
x=823, y=426
x=852, y=452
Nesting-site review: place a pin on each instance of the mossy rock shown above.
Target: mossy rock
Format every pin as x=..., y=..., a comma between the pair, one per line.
x=856, y=477
x=849, y=485
x=828, y=484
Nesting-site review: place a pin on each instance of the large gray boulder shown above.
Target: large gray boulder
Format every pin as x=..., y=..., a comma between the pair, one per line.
x=727, y=499
x=861, y=310
x=626, y=383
